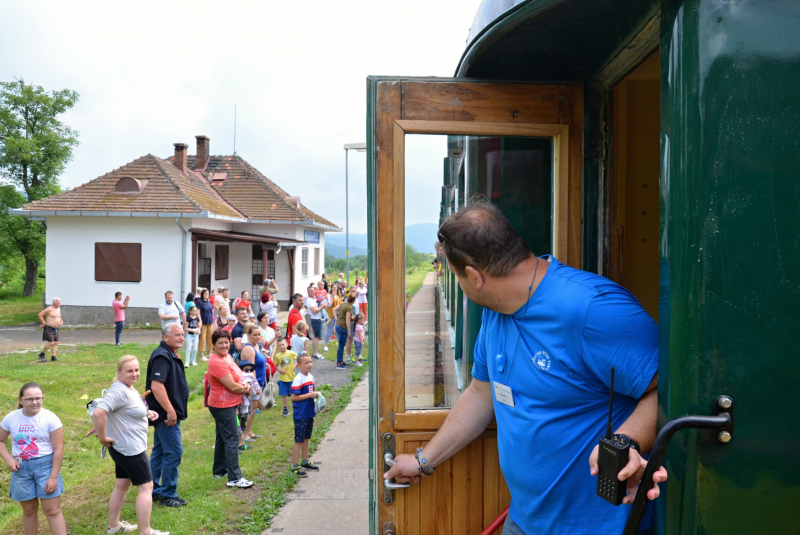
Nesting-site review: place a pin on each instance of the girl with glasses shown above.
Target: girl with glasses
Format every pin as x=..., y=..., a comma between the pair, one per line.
x=37, y=445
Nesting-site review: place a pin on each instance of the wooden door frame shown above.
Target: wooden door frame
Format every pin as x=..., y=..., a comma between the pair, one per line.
x=400, y=106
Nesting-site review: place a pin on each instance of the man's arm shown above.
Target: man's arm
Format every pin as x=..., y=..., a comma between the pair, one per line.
x=160, y=393
x=469, y=417
x=127, y=300
x=237, y=343
x=43, y=314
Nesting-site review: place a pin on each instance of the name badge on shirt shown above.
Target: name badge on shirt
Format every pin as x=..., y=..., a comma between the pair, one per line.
x=503, y=394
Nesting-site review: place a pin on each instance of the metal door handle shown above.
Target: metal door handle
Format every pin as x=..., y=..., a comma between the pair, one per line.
x=388, y=458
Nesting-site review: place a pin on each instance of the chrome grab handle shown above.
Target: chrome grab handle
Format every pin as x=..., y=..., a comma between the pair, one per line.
x=388, y=458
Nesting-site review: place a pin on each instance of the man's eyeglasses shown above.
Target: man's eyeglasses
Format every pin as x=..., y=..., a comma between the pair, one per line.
x=32, y=400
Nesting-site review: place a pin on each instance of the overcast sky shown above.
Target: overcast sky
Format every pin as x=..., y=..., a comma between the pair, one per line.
x=151, y=74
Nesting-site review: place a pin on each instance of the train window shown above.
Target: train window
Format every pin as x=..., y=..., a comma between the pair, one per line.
x=442, y=175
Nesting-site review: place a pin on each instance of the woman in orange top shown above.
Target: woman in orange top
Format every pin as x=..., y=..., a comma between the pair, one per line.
x=225, y=394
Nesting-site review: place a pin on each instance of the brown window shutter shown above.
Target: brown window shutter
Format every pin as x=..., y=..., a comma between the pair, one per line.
x=118, y=262
x=221, y=256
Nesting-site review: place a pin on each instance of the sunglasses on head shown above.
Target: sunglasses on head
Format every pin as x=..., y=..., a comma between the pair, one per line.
x=443, y=239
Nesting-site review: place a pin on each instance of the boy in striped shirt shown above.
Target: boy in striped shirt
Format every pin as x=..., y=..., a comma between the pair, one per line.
x=303, y=396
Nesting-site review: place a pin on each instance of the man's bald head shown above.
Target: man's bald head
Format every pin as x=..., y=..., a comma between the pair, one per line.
x=480, y=236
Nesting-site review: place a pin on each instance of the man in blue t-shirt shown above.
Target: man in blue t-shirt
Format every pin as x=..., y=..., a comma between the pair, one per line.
x=549, y=337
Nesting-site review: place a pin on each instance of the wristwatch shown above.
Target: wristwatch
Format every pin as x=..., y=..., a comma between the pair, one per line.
x=634, y=444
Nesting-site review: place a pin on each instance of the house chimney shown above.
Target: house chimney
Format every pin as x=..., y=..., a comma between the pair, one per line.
x=180, y=155
x=202, y=153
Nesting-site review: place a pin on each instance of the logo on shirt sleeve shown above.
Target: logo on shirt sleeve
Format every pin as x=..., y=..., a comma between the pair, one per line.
x=542, y=360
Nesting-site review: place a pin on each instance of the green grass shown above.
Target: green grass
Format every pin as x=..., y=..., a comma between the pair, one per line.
x=415, y=277
x=15, y=309
x=88, y=480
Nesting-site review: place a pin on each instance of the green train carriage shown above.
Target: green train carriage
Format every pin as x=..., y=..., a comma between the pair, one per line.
x=655, y=143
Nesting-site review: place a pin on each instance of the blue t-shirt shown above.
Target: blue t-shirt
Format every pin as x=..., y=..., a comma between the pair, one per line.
x=556, y=354
x=303, y=384
x=206, y=311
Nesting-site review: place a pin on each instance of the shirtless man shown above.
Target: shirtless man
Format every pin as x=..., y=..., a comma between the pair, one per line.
x=51, y=322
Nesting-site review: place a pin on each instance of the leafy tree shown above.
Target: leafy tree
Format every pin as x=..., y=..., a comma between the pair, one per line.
x=35, y=148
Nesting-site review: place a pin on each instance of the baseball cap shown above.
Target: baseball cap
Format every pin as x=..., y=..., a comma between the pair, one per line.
x=246, y=364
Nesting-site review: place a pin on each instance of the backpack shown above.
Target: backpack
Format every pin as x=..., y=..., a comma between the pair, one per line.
x=206, y=389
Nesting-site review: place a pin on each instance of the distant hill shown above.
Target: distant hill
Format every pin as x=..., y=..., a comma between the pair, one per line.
x=339, y=251
x=420, y=236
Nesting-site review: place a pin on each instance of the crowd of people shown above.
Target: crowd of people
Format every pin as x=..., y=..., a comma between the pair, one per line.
x=244, y=350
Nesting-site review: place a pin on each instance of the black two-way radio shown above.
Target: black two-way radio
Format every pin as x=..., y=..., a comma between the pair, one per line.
x=611, y=459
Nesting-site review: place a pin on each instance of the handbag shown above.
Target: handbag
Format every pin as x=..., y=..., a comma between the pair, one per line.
x=319, y=403
x=267, y=399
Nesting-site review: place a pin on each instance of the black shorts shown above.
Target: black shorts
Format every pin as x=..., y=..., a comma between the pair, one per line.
x=49, y=334
x=303, y=428
x=133, y=467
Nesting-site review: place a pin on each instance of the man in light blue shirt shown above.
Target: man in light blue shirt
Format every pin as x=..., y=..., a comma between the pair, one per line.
x=549, y=337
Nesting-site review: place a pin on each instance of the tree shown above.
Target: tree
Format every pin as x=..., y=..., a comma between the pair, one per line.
x=19, y=236
x=35, y=148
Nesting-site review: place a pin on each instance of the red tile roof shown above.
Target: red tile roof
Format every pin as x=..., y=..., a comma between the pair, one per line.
x=244, y=193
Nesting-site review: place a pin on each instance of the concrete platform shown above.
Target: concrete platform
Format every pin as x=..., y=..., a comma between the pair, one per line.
x=335, y=500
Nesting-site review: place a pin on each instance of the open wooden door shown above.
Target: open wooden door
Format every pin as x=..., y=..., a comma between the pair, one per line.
x=469, y=491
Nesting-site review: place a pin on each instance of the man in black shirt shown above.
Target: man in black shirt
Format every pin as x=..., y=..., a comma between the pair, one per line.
x=169, y=394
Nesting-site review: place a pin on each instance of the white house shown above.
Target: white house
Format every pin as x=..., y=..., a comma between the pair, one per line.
x=175, y=224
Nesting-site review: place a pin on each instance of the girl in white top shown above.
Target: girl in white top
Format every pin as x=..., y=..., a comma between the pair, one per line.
x=37, y=445
x=361, y=297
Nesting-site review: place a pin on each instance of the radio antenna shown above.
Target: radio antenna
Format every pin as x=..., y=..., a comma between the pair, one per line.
x=234, y=129
x=609, y=431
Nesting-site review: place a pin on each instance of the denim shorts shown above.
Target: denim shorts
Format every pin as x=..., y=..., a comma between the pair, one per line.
x=284, y=388
x=29, y=481
x=316, y=326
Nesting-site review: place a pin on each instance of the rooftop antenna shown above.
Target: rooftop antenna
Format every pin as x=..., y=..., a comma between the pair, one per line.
x=234, y=129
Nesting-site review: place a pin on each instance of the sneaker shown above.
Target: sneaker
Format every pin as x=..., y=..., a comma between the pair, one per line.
x=285, y=412
x=310, y=466
x=298, y=472
x=194, y=363
x=55, y=359
x=325, y=348
x=319, y=357
x=157, y=532
x=242, y=483
x=350, y=360
x=172, y=502
x=42, y=358
x=358, y=364
x=204, y=358
x=186, y=365
x=341, y=366
x=122, y=527
x=119, y=344
x=244, y=447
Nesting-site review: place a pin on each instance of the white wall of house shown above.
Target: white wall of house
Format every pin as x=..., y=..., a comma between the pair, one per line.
x=70, y=259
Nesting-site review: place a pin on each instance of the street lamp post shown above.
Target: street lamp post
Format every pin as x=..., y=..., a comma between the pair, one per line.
x=358, y=147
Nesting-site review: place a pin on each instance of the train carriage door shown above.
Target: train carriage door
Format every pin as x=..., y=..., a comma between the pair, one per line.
x=519, y=145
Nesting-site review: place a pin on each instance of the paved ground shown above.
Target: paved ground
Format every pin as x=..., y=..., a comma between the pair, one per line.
x=29, y=337
x=335, y=500
x=420, y=350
